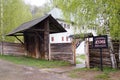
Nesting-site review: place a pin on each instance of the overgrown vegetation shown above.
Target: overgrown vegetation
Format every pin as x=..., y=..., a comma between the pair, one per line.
x=34, y=62
x=95, y=74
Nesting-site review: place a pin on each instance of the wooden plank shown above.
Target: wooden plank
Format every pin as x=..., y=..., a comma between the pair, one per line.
x=13, y=49
x=62, y=51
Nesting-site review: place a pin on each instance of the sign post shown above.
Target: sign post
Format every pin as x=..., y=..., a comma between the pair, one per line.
x=100, y=42
x=101, y=63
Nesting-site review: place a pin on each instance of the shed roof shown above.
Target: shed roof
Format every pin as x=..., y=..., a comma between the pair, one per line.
x=25, y=26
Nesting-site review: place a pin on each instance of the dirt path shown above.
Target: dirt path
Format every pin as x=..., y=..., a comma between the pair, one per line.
x=10, y=71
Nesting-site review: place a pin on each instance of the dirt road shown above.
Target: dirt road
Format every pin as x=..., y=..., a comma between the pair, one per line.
x=10, y=71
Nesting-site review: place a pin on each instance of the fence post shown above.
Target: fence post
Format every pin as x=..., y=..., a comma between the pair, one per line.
x=87, y=52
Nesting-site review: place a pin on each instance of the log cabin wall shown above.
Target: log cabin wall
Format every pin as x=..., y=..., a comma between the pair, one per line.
x=94, y=55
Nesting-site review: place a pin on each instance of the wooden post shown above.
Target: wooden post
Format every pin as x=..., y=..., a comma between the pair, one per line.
x=19, y=40
x=37, y=47
x=87, y=52
x=74, y=51
x=49, y=51
x=46, y=39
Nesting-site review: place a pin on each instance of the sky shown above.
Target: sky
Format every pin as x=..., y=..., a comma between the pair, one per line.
x=36, y=2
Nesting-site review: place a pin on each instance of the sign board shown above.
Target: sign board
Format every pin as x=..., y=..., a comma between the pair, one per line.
x=100, y=41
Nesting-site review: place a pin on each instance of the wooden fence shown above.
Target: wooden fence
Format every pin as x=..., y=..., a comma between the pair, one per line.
x=8, y=48
x=62, y=51
x=59, y=51
x=94, y=55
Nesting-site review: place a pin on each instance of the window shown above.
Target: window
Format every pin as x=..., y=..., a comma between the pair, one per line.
x=52, y=38
x=62, y=38
x=66, y=38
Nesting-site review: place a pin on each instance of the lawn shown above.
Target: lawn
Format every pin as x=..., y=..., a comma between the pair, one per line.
x=95, y=74
x=34, y=62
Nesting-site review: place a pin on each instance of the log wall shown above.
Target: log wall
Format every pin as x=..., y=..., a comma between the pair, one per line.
x=11, y=48
x=59, y=51
x=62, y=51
x=94, y=55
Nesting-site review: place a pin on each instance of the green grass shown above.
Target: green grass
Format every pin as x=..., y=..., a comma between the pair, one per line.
x=78, y=62
x=80, y=72
x=81, y=56
x=34, y=62
x=83, y=73
x=105, y=74
x=102, y=77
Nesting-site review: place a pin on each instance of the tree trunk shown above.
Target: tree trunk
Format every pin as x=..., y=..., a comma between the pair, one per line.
x=119, y=50
x=110, y=45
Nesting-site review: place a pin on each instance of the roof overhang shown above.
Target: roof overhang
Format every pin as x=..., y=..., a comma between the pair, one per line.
x=53, y=24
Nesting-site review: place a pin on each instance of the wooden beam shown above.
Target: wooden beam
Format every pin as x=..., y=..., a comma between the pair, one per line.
x=19, y=40
x=74, y=51
x=41, y=30
x=37, y=48
x=46, y=39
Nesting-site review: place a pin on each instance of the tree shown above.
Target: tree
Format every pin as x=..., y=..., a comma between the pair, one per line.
x=85, y=12
x=15, y=12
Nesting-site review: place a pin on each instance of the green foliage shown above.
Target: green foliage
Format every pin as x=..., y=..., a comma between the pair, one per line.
x=15, y=12
x=34, y=62
x=85, y=12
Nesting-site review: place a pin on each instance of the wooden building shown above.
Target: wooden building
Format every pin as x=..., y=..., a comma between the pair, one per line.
x=36, y=36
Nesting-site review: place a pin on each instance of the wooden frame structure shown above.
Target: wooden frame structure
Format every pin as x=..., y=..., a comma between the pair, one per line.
x=36, y=36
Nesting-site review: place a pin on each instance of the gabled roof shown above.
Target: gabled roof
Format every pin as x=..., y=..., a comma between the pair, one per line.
x=25, y=26
x=82, y=35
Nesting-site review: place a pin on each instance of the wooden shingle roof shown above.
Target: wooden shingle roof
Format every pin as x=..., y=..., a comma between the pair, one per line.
x=53, y=24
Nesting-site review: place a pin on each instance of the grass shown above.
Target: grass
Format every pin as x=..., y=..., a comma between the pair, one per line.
x=80, y=72
x=102, y=76
x=105, y=74
x=34, y=62
x=82, y=56
x=93, y=74
x=77, y=61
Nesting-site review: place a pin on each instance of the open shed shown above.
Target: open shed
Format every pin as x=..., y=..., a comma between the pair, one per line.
x=36, y=36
